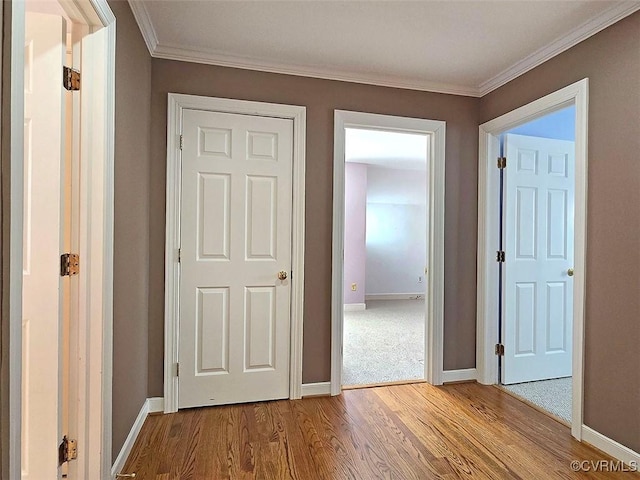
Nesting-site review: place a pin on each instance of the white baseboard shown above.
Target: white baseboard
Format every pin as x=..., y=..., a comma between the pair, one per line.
x=316, y=389
x=150, y=405
x=156, y=404
x=613, y=448
x=354, y=307
x=395, y=296
x=463, y=375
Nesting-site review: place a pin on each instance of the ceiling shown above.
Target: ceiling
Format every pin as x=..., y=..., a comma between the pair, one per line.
x=461, y=47
x=396, y=150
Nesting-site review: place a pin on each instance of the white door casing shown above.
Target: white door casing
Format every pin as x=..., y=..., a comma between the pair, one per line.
x=539, y=237
x=488, y=238
x=97, y=137
x=44, y=154
x=235, y=238
x=434, y=277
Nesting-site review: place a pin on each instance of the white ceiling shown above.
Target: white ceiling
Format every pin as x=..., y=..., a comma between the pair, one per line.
x=462, y=47
x=401, y=151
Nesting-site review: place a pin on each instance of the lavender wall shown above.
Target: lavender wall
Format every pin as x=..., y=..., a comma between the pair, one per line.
x=355, y=252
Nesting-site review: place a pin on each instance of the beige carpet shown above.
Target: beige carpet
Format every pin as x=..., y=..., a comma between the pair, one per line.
x=554, y=395
x=384, y=343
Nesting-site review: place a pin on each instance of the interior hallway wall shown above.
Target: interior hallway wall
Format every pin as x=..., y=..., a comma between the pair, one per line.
x=611, y=61
x=131, y=224
x=321, y=98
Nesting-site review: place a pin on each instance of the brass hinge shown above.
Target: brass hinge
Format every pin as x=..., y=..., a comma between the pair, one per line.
x=500, y=256
x=71, y=79
x=68, y=450
x=69, y=264
x=502, y=162
x=500, y=349
x=177, y=369
x=181, y=142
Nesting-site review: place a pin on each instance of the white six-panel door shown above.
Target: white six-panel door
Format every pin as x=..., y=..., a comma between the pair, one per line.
x=539, y=239
x=43, y=159
x=235, y=224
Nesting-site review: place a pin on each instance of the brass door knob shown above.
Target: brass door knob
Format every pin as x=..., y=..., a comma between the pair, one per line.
x=570, y=272
x=282, y=275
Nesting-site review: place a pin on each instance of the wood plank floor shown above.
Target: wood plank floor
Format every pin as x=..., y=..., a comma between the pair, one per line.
x=399, y=432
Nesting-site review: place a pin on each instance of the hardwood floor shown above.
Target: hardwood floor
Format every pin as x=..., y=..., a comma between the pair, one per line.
x=399, y=432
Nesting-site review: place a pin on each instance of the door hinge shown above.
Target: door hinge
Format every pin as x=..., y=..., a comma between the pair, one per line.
x=500, y=256
x=177, y=369
x=181, y=142
x=179, y=255
x=502, y=162
x=499, y=349
x=69, y=264
x=71, y=79
x=68, y=450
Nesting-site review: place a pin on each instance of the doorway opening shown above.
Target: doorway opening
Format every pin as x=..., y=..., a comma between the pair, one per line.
x=432, y=134
x=532, y=212
x=536, y=279
x=385, y=255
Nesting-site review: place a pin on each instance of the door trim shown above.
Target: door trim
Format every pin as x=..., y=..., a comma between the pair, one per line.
x=487, y=280
x=176, y=104
x=435, y=129
x=96, y=231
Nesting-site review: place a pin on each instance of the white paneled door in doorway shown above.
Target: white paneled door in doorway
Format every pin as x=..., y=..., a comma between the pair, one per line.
x=235, y=258
x=539, y=242
x=44, y=149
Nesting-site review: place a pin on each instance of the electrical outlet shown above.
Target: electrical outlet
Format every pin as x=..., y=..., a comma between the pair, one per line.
x=420, y=279
x=354, y=287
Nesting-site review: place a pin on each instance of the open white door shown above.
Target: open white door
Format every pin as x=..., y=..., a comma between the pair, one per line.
x=44, y=143
x=539, y=243
x=235, y=258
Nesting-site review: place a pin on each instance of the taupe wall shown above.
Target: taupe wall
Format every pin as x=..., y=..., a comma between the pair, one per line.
x=611, y=61
x=131, y=229
x=321, y=97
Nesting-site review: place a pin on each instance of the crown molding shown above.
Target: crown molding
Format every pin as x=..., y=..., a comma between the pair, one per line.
x=141, y=14
x=571, y=38
x=185, y=54
x=188, y=54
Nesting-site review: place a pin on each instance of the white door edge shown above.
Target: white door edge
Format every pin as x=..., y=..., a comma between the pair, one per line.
x=98, y=265
x=487, y=284
x=177, y=103
x=434, y=336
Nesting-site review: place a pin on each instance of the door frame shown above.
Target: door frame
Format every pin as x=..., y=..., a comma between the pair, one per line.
x=177, y=103
x=434, y=328
x=488, y=237
x=96, y=234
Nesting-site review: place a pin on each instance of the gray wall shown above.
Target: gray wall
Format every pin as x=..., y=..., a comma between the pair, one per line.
x=131, y=224
x=611, y=61
x=322, y=97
